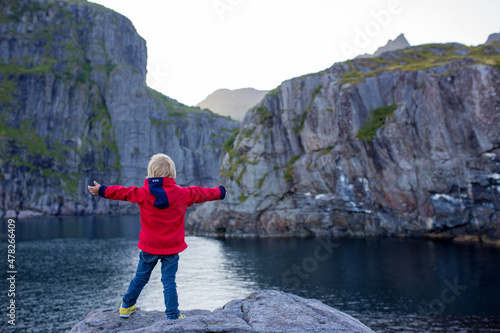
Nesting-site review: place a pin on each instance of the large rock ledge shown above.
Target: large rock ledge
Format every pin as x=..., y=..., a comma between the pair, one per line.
x=262, y=311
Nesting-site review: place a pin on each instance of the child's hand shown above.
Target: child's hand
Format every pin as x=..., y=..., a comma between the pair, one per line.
x=94, y=189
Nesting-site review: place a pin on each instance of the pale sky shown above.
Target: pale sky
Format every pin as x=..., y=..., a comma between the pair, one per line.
x=198, y=46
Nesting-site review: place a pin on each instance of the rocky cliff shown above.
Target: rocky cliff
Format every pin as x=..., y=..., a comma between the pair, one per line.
x=403, y=144
x=494, y=37
x=263, y=311
x=75, y=107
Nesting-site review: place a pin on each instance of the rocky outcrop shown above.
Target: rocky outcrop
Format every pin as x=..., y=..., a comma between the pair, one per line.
x=233, y=103
x=494, y=37
x=404, y=144
x=264, y=311
x=75, y=107
x=399, y=43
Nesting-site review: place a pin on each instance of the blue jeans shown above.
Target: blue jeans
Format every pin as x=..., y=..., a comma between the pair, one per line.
x=147, y=263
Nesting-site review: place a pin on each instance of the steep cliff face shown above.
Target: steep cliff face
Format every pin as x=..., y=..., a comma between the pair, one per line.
x=404, y=144
x=75, y=107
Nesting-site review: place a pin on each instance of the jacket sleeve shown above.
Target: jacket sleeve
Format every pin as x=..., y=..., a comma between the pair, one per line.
x=116, y=192
x=196, y=194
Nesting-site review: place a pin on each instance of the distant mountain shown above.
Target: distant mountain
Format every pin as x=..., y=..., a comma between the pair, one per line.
x=392, y=45
x=234, y=103
x=493, y=38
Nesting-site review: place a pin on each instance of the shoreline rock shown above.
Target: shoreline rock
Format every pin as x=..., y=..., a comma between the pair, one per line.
x=261, y=311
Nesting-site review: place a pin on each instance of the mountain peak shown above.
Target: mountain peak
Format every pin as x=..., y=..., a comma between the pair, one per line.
x=493, y=38
x=234, y=103
x=392, y=45
x=398, y=43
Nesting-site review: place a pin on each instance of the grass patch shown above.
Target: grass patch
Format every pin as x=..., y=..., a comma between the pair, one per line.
x=83, y=75
x=274, y=92
x=4, y=18
x=288, y=175
x=174, y=108
x=176, y=114
x=420, y=58
x=40, y=156
x=242, y=172
x=229, y=172
x=265, y=116
x=261, y=181
x=161, y=123
x=228, y=145
x=327, y=150
x=242, y=198
x=299, y=126
x=15, y=69
x=374, y=121
x=7, y=89
x=103, y=142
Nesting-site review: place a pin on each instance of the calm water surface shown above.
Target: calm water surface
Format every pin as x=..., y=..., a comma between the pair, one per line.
x=70, y=266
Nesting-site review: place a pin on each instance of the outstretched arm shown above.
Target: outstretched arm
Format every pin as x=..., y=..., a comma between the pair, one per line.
x=198, y=194
x=116, y=192
x=94, y=189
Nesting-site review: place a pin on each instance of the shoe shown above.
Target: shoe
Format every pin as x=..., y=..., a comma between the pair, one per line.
x=180, y=316
x=126, y=312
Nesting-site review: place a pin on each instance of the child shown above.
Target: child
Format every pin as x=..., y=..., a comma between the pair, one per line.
x=163, y=205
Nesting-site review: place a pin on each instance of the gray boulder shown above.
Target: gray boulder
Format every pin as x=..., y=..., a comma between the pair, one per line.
x=262, y=311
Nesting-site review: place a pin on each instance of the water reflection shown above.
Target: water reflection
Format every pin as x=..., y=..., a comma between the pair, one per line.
x=390, y=275
x=206, y=278
x=67, y=267
x=93, y=227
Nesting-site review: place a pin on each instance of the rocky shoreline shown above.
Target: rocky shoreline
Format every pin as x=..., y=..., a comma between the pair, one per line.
x=463, y=239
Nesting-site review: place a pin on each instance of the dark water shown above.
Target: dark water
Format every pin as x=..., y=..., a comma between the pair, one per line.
x=67, y=267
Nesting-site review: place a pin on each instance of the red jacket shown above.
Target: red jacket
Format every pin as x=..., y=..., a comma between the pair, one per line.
x=163, y=205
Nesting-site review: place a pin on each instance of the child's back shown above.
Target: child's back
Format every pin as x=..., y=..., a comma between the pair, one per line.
x=163, y=206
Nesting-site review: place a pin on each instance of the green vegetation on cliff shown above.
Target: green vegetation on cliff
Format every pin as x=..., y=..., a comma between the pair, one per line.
x=288, y=175
x=299, y=126
x=176, y=109
x=420, y=58
x=229, y=143
x=374, y=121
x=7, y=89
x=23, y=148
x=265, y=116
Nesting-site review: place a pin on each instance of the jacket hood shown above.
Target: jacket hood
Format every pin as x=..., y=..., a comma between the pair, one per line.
x=164, y=189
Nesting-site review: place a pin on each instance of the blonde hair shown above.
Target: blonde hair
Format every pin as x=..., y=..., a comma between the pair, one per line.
x=161, y=165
